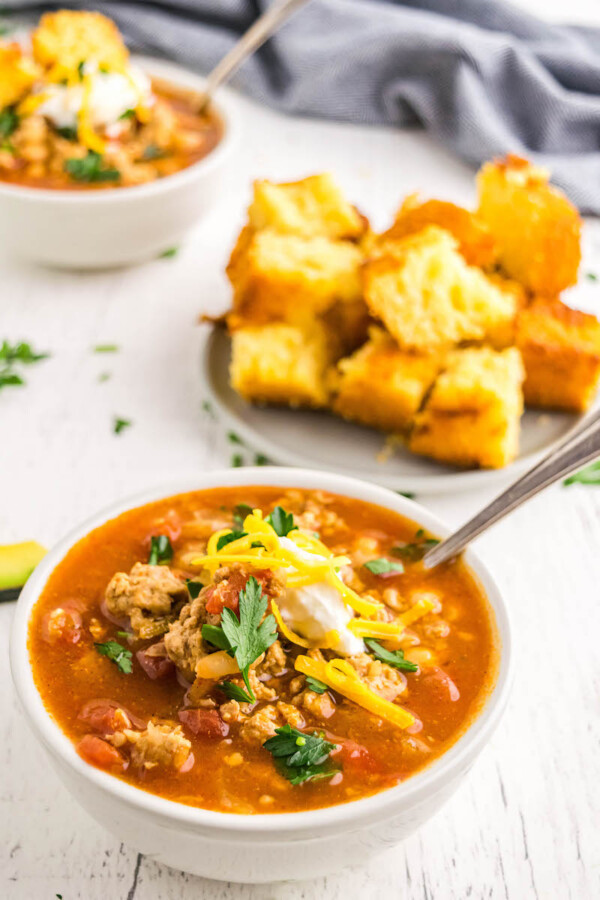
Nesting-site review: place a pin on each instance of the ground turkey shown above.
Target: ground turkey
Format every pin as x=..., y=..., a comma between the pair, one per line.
x=158, y=745
x=147, y=596
x=389, y=683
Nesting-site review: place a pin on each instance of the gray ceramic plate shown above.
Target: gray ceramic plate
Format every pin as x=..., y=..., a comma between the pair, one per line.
x=322, y=441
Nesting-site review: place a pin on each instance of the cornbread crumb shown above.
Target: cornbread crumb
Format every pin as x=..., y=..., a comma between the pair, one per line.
x=66, y=37
x=471, y=417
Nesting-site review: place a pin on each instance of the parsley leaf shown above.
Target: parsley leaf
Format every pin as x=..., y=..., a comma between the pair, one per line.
x=382, y=566
x=21, y=352
x=415, y=552
x=239, y=514
x=234, y=438
x=588, y=475
x=161, y=551
x=393, y=658
x=407, y=494
x=298, y=756
x=9, y=122
x=170, y=253
x=128, y=114
x=8, y=378
x=313, y=684
x=261, y=460
x=229, y=538
x=117, y=654
x=248, y=637
x=194, y=587
x=106, y=348
x=281, y=521
x=591, y=276
x=91, y=169
x=234, y=692
x=120, y=425
x=67, y=132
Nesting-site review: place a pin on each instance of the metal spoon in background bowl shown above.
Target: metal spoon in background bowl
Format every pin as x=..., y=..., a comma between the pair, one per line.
x=580, y=446
x=260, y=31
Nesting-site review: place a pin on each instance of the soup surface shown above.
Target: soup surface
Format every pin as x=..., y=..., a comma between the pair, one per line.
x=259, y=649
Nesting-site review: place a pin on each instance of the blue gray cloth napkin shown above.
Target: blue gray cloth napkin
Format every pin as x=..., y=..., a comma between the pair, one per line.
x=482, y=76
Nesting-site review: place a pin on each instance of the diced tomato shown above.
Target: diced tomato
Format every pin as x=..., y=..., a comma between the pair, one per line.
x=62, y=625
x=154, y=666
x=169, y=524
x=204, y=722
x=99, y=753
x=354, y=757
x=227, y=592
x=439, y=685
x=107, y=716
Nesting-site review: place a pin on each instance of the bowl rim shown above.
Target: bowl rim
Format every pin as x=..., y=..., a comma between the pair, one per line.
x=277, y=826
x=182, y=77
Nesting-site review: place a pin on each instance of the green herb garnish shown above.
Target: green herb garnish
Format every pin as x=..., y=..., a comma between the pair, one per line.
x=106, y=348
x=67, y=132
x=299, y=756
x=239, y=514
x=161, y=550
x=117, y=654
x=152, y=151
x=261, y=460
x=415, y=552
x=233, y=692
x=104, y=376
x=393, y=658
x=281, y=521
x=233, y=438
x=128, y=114
x=12, y=355
x=229, y=538
x=248, y=637
x=588, y=475
x=120, y=425
x=170, y=253
x=382, y=566
x=313, y=684
x=91, y=169
x=9, y=122
x=237, y=460
x=124, y=634
x=194, y=587
x=591, y=276
x=80, y=68
x=407, y=494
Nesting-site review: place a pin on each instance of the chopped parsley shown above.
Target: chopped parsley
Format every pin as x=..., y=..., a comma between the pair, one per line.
x=194, y=587
x=588, y=475
x=393, y=658
x=128, y=114
x=91, y=169
x=261, y=460
x=80, y=69
x=67, y=132
x=124, y=634
x=152, y=151
x=233, y=438
x=591, y=276
x=104, y=376
x=407, y=494
x=169, y=253
x=383, y=566
x=106, y=348
x=10, y=379
x=120, y=425
x=417, y=550
x=117, y=654
x=239, y=514
x=248, y=637
x=229, y=538
x=237, y=460
x=234, y=692
x=207, y=408
x=281, y=521
x=300, y=757
x=9, y=122
x=13, y=355
x=313, y=684
x=161, y=550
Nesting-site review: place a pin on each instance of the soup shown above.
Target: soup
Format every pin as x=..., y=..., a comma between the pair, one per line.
x=261, y=650
x=76, y=113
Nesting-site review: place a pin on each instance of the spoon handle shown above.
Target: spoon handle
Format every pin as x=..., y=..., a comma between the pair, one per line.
x=579, y=447
x=278, y=13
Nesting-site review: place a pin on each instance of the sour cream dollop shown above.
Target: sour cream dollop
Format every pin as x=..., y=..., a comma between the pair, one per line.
x=314, y=610
x=111, y=95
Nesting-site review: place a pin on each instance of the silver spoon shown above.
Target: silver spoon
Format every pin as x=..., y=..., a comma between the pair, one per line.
x=266, y=25
x=580, y=446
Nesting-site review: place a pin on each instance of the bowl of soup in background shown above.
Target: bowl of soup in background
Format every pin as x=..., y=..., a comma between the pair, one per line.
x=91, y=228
x=266, y=847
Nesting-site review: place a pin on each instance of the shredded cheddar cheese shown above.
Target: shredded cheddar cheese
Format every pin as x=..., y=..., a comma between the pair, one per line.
x=374, y=629
x=420, y=609
x=287, y=632
x=342, y=677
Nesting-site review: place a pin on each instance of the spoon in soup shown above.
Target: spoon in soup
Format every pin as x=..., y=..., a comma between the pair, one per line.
x=260, y=31
x=581, y=445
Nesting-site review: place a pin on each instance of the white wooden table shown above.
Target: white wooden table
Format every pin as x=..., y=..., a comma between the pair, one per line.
x=526, y=823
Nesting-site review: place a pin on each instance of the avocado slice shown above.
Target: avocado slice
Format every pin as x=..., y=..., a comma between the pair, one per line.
x=17, y=562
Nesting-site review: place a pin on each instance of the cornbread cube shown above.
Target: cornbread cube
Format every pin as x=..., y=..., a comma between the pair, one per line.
x=536, y=228
x=381, y=385
x=311, y=207
x=475, y=241
x=65, y=38
x=284, y=277
x=17, y=74
x=561, y=353
x=429, y=298
x=347, y=324
x=471, y=417
x=280, y=363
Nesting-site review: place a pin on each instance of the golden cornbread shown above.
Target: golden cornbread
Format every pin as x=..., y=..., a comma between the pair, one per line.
x=561, y=354
x=429, y=298
x=475, y=241
x=280, y=363
x=381, y=385
x=66, y=38
x=537, y=229
x=313, y=206
x=17, y=74
x=471, y=417
x=283, y=277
